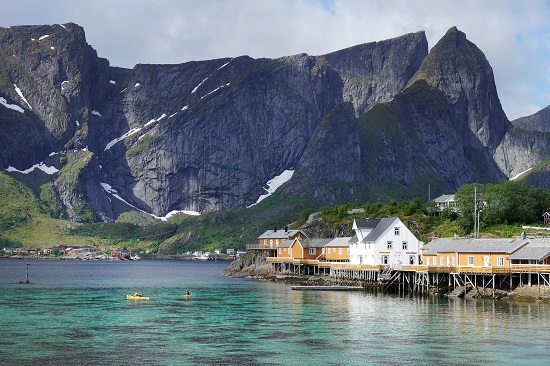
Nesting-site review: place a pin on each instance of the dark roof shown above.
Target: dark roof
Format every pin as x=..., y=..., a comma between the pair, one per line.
x=366, y=223
x=379, y=229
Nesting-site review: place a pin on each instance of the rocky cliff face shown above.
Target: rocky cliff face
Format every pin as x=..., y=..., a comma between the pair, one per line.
x=375, y=121
x=539, y=121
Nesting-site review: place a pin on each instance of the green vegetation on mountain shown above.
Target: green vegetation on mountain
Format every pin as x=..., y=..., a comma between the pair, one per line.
x=25, y=219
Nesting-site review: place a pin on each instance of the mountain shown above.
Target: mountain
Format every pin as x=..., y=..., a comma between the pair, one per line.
x=377, y=121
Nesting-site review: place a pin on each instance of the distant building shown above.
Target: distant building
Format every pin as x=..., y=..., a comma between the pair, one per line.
x=445, y=201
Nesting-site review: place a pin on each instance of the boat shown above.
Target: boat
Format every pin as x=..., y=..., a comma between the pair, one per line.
x=328, y=288
x=202, y=258
x=137, y=297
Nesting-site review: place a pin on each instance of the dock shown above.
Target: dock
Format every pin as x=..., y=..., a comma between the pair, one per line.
x=328, y=288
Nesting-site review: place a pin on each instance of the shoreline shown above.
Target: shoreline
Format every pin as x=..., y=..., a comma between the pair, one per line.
x=259, y=270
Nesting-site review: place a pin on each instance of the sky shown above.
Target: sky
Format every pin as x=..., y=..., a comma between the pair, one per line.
x=514, y=35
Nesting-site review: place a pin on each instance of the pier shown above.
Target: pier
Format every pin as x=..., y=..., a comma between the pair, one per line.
x=421, y=279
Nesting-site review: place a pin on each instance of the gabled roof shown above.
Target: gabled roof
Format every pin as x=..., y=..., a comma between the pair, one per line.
x=280, y=234
x=462, y=245
x=445, y=198
x=383, y=224
x=353, y=239
x=339, y=242
x=287, y=243
x=365, y=223
x=536, y=249
x=314, y=243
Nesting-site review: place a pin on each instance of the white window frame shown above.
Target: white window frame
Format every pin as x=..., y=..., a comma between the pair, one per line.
x=396, y=231
x=312, y=251
x=442, y=261
x=339, y=251
x=390, y=245
x=500, y=261
x=470, y=260
x=405, y=245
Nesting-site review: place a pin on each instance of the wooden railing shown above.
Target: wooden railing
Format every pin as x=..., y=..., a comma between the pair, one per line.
x=515, y=268
x=261, y=246
x=533, y=268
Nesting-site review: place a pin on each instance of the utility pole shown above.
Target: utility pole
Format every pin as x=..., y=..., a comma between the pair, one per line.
x=475, y=211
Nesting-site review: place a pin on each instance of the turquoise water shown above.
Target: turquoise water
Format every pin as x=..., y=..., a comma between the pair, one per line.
x=76, y=313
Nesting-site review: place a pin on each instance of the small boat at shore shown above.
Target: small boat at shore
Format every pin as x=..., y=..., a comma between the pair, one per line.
x=137, y=297
x=328, y=288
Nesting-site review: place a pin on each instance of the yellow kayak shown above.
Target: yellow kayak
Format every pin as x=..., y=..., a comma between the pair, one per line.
x=133, y=297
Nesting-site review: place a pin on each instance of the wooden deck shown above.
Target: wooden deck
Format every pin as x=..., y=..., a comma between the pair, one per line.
x=328, y=288
x=418, y=268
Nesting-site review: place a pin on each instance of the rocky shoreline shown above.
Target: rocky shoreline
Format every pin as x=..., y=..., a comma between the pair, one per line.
x=256, y=268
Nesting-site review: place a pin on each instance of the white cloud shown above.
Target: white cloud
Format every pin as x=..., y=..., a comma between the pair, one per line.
x=513, y=35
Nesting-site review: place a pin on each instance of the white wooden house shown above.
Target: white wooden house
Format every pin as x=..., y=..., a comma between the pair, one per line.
x=385, y=241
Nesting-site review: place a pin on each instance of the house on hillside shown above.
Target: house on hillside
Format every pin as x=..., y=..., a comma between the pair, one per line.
x=451, y=252
x=445, y=201
x=386, y=241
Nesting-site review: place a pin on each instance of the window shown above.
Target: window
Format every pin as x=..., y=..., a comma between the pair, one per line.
x=339, y=251
x=404, y=245
x=390, y=244
x=348, y=251
x=428, y=261
x=396, y=231
x=442, y=261
x=312, y=251
x=454, y=261
x=470, y=260
x=500, y=261
x=328, y=251
x=265, y=241
x=280, y=251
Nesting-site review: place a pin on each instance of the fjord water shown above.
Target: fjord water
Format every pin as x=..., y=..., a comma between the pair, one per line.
x=76, y=313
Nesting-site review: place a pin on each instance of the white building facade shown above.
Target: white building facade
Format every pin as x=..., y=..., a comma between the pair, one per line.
x=385, y=241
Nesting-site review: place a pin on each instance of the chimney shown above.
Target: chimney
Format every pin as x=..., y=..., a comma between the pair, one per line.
x=275, y=229
x=286, y=229
x=523, y=236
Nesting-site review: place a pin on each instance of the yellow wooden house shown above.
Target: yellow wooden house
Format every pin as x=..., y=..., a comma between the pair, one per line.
x=272, y=238
x=303, y=248
x=284, y=248
x=462, y=252
x=337, y=250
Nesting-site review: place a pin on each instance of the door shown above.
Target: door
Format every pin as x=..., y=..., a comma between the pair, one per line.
x=385, y=259
x=486, y=261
